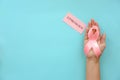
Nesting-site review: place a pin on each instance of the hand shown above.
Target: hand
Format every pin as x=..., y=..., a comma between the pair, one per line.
x=101, y=41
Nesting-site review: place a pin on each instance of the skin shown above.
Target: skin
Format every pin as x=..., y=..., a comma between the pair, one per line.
x=92, y=61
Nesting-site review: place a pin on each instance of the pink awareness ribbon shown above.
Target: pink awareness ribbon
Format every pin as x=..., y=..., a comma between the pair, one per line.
x=92, y=41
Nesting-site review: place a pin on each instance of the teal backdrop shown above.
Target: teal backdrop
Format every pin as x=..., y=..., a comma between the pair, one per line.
x=35, y=43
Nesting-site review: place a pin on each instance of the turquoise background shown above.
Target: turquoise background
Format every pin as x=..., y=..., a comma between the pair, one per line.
x=35, y=43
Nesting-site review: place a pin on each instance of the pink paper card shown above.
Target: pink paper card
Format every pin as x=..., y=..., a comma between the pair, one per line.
x=74, y=22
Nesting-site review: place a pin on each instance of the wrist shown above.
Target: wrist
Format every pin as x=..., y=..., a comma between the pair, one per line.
x=93, y=59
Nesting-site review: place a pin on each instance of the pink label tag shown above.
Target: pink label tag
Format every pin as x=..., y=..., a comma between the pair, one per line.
x=74, y=22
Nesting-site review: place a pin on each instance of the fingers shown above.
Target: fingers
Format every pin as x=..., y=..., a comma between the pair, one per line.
x=86, y=33
x=87, y=29
x=93, y=23
x=98, y=40
x=103, y=38
x=86, y=37
x=102, y=42
x=89, y=24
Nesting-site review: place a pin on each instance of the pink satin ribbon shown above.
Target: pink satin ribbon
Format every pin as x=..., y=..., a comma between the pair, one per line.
x=92, y=42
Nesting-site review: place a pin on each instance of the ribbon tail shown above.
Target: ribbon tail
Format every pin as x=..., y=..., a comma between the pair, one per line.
x=87, y=48
x=96, y=49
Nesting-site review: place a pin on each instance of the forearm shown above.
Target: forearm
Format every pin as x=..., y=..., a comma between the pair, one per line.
x=92, y=69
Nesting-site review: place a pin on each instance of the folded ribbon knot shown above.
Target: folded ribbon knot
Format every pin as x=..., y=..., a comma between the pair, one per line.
x=93, y=35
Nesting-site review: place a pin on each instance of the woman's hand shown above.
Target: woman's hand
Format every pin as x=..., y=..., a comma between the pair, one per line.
x=101, y=41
